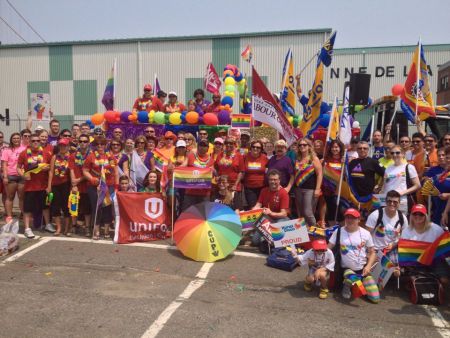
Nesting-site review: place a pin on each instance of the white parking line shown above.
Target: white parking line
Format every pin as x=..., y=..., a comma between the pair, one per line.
x=443, y=328
x=193, y=286
x=40, y=242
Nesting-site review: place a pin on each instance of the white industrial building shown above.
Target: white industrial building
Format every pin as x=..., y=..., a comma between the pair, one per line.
x=75, y=73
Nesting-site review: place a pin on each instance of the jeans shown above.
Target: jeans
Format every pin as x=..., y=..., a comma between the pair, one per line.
x=306, y=204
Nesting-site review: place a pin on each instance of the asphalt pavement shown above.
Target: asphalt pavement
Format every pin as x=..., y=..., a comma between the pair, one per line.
x=73, y=287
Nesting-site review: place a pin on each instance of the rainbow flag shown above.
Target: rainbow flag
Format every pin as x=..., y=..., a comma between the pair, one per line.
x=416, y=93
x=248, y=218
x=409, y=251
x=108, y=95
x=247, y=54
x=440, y=247
x=241, y=120
x=386, y=262
x=192, y=178
x=331, y=175
x=104, y=197
x=160, y=160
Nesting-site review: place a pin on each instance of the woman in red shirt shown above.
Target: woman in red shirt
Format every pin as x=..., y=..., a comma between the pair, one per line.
x=59, y=185
x=97, y=161
x=255, y=169
x=231, y=164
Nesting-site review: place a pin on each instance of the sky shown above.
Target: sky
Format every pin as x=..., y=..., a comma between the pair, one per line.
x=360, y=23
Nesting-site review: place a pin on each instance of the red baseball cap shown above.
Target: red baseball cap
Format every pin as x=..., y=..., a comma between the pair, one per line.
x=420, y=208
x=319, y=244
x=64, y=141
x=352, y=212
x=148, y=87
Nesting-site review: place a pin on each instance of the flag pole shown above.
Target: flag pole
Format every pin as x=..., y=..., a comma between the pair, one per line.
x=340, y=188
x=173, y=203
x=371, y=134
x=114, y=79
x=309, y=62
x=329, y=125
x=418, y=75
x=96, y=207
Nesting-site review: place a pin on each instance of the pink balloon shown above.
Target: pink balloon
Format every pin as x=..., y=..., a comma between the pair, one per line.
x=397, y=89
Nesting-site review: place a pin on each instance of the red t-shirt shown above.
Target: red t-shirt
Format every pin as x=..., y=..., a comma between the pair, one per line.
x=49, y=149
x=274, y=200
x=172, y=108
x=77, y=166
x=94, y=166
x=194, y=160
x=230, y=166
x=61, y=171
x=39, y=181
x=148, y=104
x=255, y=170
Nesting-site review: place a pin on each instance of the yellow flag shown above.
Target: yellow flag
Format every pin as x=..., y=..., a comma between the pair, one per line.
x=334, y=125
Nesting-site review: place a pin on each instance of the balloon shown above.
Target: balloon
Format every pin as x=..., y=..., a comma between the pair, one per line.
x=324, y=120
x=175, y=118
x=124, y=116
x=227, y=101
x=97, y=119
x=242, y=82
x=224, y=117
x=142, y=116
x=238, y=77
x=227, y=72
x=231, y=94
x=210, y=119
x=192, y=117
x=229, y=81
x=109, y=116
x=151, y=116
x=355, y=124
x=132, y=118
x=241, y=89
x=159, y=117
x=397, y=89
x=229, y=88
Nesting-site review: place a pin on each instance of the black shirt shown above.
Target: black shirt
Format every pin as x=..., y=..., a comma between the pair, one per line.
x=362, y=172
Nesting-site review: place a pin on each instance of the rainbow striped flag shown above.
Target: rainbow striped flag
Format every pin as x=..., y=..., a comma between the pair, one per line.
x=331, y=175
x=241, y=120
x=109, y=94
x=247, y=54
x=409, y=251
x=192, y=178
x=440, y=247
x=248, y=218
x=160, y=160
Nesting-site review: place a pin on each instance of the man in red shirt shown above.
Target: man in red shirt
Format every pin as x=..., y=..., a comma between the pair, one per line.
x=198, y=159
x=36, y=184
x=275, y=202
x=148, y=101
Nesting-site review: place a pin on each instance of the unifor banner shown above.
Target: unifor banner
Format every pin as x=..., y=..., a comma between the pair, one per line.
x=140, y=217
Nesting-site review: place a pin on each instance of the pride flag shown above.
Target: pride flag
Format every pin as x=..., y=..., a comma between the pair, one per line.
x=288, y=96
x=104, y=198
x=248, y=218
x=109, y=94
x=247, y=54
x=409, y=251
x=440, y=247
x=416, y=93
x=160, y=160
x=192, y=178
x=331, y=175
x=241, y=120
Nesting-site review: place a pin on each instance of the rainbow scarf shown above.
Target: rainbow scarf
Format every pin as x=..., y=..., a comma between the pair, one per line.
x=248, y=218
x=192, y=178
x=439, y=248
x=409, y=251
x=160, y=160
x=303, y=172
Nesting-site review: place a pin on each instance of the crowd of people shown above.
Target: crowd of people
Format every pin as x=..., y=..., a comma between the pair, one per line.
x=41, y=167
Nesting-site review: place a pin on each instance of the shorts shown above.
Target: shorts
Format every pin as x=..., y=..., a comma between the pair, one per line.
x=15, y=179
x=84, y=205
x=60, y=198
x=34, y=201
x=312, y=271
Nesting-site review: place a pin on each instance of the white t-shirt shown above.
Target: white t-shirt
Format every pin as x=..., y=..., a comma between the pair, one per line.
x=428, y=236
x=354, y=247
x=385, y=233
x=321, y=260
x=395, y=179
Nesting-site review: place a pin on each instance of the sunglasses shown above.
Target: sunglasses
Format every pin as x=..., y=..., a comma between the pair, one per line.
x=140, y=142
x=395, y=152
x=362, y=148
x=404, y=141
x=229, y=143
x=117, y=132
x=418, y=214
x=415, y=142
x=429, y=141
x=253, y=147
x=115, y=144
x=35, y=141
x=101, y=144
x=84, y=141
x=302, y=145
x=26, y=135
x=392, y=202
x=202, y=133
x=66, y=135
x=149, y=131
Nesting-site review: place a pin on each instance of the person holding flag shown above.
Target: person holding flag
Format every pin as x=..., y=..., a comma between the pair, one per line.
x=101, y=171
x=148, y=101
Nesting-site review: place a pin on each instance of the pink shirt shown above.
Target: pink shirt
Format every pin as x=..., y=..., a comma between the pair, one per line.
x=11, y=156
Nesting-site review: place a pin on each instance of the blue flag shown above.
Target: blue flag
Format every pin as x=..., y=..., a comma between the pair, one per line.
x=327, y=50
x=409, y=113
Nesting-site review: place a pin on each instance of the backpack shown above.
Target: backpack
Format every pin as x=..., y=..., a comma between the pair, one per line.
x=337, y=276
x=401, y=220
x=426, y=289
x=282, y=259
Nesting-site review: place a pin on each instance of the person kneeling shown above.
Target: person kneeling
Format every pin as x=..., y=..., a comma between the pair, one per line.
x=357, y=256
x=320, y=260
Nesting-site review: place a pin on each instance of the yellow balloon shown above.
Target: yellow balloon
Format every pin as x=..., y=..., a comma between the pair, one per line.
x=175, y=118
x=229, y=81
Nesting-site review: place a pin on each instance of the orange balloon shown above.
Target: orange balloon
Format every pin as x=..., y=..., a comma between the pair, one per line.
x=97, y=119
x=397, y=89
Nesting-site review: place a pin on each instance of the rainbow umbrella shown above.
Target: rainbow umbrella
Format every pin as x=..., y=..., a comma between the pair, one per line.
x=207, y=232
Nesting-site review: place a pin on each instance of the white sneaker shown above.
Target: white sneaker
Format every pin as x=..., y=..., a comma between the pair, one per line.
x=50, y=228
x=346, y=291
x=28, y=233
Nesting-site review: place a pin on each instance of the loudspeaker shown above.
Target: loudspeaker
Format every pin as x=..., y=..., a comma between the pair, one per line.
x=359, y=88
